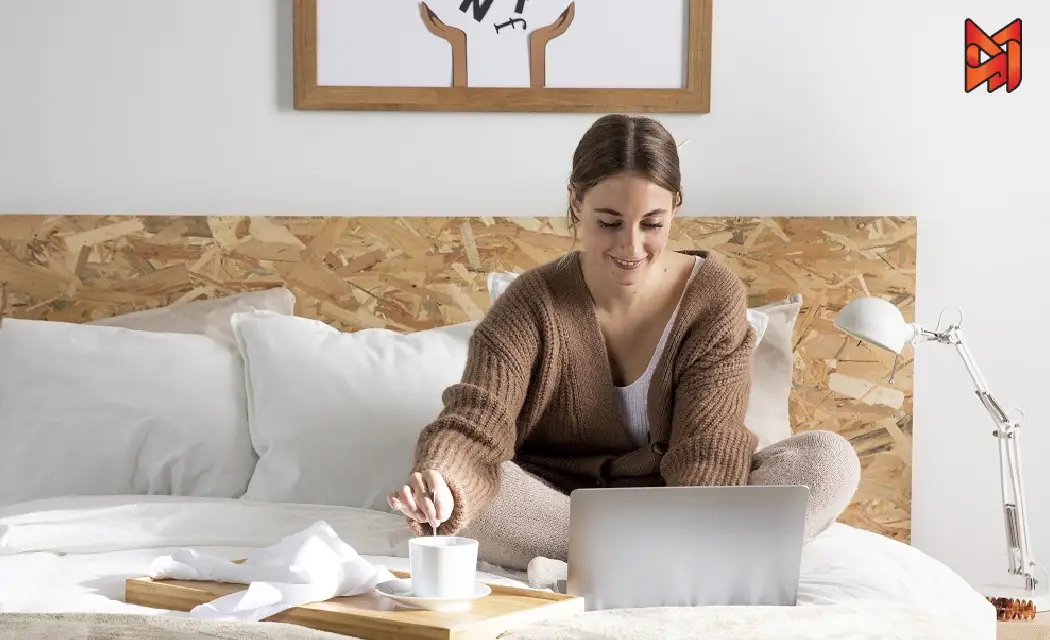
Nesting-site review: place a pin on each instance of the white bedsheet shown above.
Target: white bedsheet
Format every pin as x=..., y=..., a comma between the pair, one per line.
x=73, y=554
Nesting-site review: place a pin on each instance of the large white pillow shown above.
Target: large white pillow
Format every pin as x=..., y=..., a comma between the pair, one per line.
x=335, y=416
x=845, y=564
x=207, y=317
x=95, y=410
x=771, y=363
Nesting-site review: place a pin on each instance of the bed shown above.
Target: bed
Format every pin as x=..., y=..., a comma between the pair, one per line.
x=72, y=555
x=219, y=383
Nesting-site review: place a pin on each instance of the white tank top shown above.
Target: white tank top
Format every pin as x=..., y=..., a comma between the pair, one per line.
x=634, y=398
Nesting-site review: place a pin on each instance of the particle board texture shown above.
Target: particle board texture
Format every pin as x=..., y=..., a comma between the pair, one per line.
x=413, y=273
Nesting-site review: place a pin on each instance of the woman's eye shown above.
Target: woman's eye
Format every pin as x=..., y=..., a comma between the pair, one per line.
x=645, y=225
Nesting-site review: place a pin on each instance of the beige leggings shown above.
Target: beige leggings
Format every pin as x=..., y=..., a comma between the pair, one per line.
x=529, y=518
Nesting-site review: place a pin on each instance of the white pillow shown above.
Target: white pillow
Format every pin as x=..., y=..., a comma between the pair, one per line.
x=771, y=363
x=207, y=317
x=335, y=416
x=771, y=371
x=92, y=410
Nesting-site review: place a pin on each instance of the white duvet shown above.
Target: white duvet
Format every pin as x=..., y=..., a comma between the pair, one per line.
x=73, y=554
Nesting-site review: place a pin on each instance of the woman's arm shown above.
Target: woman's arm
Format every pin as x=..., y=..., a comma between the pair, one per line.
x=478, y=428
x=710, y=445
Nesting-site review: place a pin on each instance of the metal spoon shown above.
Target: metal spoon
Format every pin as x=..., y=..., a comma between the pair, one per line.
x=433, y=502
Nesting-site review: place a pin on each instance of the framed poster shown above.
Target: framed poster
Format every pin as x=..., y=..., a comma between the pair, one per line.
x=503, y=55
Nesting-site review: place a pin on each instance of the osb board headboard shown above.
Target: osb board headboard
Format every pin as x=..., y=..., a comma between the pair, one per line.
x=415, y=273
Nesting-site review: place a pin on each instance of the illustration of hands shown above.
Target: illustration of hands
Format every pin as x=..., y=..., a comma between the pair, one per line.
x=456, y=38
x=537, y=40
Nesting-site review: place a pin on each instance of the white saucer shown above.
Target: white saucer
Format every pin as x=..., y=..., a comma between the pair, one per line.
x=401, y=591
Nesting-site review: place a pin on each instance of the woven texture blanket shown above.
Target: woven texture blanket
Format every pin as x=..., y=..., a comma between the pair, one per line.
x=119, y=626
x=860, y=621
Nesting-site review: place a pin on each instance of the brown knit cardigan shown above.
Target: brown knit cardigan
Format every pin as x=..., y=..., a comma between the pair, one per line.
x=538, y=389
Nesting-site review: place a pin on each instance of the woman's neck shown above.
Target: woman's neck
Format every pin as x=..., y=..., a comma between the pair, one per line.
x=613, y=297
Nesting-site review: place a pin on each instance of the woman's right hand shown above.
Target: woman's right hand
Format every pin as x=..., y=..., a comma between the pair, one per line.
x=425, y=498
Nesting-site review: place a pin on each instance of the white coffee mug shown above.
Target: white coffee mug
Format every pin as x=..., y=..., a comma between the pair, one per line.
x=442, y=566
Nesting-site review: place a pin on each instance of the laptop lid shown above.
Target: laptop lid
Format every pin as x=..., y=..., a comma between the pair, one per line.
x=686, y=546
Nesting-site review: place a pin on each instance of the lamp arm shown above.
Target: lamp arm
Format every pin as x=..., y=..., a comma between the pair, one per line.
x=1020, y=559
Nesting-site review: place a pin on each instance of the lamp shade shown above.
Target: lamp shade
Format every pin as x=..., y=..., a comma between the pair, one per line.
x=876, y=321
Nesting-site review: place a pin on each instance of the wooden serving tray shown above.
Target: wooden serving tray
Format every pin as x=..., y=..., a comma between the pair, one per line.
x=373, y=617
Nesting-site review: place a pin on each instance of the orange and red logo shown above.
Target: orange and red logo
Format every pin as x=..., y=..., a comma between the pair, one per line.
x=1003, y=51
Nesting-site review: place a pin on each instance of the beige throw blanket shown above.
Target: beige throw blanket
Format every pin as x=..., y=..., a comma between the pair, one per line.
x=119, y=626
x=859, y=621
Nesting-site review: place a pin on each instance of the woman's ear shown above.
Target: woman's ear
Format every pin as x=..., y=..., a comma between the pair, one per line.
x=574, y=204
x=677, y=205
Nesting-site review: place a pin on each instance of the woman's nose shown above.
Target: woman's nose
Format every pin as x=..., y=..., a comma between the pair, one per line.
x=632, y=241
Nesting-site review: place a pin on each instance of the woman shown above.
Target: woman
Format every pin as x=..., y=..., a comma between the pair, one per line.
x=623, y=364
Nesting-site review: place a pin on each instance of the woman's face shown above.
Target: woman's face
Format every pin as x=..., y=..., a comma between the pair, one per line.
x=625, y=220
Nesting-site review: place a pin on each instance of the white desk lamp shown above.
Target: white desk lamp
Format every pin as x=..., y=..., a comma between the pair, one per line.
x=879, y=322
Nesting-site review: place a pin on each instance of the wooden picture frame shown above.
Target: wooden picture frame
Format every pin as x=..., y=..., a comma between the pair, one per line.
x=693, y=97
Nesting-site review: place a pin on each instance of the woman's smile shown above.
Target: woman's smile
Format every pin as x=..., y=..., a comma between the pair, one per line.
x=628, y=264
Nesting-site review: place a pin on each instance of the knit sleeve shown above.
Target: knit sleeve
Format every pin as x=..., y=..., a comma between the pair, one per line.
x=710, y=445
x=477, y=429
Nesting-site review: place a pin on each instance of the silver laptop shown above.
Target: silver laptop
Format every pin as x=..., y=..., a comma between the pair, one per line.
x=686, y=546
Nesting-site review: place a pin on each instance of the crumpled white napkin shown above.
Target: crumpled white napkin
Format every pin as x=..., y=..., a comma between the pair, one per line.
x=309, y=566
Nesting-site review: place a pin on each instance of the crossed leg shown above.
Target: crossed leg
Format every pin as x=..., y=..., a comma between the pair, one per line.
x=526, y=519
x=530, y=519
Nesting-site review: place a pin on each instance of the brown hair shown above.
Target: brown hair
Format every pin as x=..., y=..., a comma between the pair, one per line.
x=616, y=143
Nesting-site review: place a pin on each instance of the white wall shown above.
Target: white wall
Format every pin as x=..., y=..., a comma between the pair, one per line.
x=820, y=107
